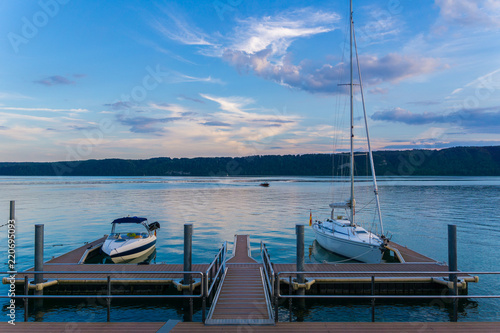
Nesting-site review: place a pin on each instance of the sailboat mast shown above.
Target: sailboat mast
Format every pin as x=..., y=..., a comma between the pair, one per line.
x=352, y=202
x=370, y=153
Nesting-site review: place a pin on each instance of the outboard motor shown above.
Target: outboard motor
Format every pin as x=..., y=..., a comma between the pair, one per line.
x=154, y=226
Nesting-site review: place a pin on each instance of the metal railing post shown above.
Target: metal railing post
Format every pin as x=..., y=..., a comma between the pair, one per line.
x=290, y=300
x=26, y=291
x=455, y=300
x=276, y=293
x=190, y=298
x=373, y=299
x=204, y=284
x=108, y=301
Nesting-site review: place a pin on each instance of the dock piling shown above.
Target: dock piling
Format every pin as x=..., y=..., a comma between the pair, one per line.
x=453, y=265
x=39, y=256
x=188, y=251
x=188, y=259
x=452, y=250
x=12, y=215
x=38, y=268
x=299, y=230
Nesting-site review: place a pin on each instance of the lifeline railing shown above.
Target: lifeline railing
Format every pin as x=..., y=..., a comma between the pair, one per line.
x=455, y=298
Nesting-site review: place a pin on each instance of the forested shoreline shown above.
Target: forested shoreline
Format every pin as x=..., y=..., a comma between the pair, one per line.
x=457, y=161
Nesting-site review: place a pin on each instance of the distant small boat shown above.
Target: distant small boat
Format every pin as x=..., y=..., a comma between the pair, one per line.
x=265, y=184
x=130, y=237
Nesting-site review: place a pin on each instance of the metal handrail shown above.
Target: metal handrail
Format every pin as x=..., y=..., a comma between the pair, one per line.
x=26, y=297
x=268, y=268
x=373, y=297
x=220, y=260
x=386, y=272
x=109, y=275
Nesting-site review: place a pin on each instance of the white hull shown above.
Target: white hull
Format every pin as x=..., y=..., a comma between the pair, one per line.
x=120, y=250
x=134, y=258
x=368, y=252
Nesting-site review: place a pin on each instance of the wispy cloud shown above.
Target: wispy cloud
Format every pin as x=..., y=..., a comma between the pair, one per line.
x=13, y=95
x=216, y=123
x=482, y=120
x=120, y=105
x=175, y=26
x=176, y=77
x=192, y=99
x=479, y=13
x=8, y=116
x=55, y=80
x=381, y=25
x=396, y=67
x=276, y=33
x=144, y=124
x=10, y=108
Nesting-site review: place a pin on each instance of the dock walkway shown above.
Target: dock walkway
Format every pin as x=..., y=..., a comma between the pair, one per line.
x=241, y=298
x=179, y=327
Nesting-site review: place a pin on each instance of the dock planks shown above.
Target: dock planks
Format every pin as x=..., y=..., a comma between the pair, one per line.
x=241, y=298
x=410, y=256
x=73, y=257
x=181, y=327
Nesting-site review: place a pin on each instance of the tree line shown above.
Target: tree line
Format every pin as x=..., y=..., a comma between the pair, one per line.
x=457, y=161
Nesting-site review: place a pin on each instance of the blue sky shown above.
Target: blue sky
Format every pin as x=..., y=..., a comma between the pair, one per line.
x=139, y=79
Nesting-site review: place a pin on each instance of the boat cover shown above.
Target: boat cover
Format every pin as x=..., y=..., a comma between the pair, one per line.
x=129, y=219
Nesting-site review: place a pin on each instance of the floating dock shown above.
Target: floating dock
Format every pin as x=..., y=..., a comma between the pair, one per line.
x=241, y=297
x=243, y=277
x=175, y=326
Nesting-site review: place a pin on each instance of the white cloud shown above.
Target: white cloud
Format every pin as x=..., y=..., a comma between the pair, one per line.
x=25, y=133
x=175, y=26
x=278, y=32
x=480, y=13
x=8, y=116
x=176, y=77
x=9, y=108
x=13, y=95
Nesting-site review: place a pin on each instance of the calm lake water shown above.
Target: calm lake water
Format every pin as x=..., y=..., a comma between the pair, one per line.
x=416, y=213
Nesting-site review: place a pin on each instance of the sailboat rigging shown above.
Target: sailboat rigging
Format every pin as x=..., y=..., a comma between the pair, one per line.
x=340, y=233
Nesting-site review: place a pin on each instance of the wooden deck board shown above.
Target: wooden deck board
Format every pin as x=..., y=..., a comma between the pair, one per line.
x=241, y=297
x=74, y=256
x=389, y=327
x=410, y=255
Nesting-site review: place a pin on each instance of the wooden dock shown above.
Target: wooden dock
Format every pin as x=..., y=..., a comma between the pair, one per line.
x=241, y=298
x=175, y=326
x=77, y=256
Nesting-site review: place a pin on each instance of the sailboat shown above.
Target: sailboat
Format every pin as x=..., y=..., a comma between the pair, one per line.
x=341, y=233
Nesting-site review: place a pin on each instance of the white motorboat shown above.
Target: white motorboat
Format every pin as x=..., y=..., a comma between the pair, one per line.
x=130, y=238
x=340, y=233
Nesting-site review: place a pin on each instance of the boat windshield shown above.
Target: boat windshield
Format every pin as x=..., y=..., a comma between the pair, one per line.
x=128, y=230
